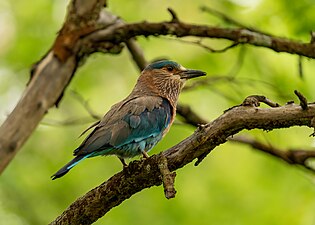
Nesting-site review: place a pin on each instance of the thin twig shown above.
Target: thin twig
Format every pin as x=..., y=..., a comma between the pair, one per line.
x=228, y=19
x=136, y=53
x=254, y=100
x=238, y=62
x=67, y=122
x=200, y=44
x=168, y=178
x=300, y=67
x=189, y=116
x=303, y=100
x=174, y=15
x=85, y=104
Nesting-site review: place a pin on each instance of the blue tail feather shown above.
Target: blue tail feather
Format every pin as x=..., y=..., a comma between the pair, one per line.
x=69, y=166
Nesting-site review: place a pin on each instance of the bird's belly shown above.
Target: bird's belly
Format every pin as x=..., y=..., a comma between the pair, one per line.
x=136, y=147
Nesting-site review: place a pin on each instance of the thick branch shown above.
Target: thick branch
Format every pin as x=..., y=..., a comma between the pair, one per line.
x=180, y=29
x=296, y=156
x=41, y=94
x=143, y=174
x=50, y=77
x=82, y=35
x=190, y=117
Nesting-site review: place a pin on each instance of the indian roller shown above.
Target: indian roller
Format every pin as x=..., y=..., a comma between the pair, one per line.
x=136, y=124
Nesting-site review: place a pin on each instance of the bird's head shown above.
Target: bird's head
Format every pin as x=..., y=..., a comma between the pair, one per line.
x=165, y=78
x=172, y=70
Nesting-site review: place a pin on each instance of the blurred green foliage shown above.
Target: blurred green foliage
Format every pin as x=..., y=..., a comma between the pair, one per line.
x=233, y=185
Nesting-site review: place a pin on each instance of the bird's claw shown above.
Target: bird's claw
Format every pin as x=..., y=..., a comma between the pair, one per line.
x=122, y=160
x=145, y=155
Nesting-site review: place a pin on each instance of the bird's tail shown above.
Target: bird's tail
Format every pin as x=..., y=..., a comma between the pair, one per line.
x=69, y=166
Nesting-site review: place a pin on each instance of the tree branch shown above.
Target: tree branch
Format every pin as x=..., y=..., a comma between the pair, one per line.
x=146, y=173
x=292, y=156
x=303, y=100
x=228, y=19
x=50, y=76
x=181, y=29
x=85, y=32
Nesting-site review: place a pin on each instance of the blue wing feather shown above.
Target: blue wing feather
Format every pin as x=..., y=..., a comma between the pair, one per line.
x=135, y=131
x=148, y=123
x=125, y=133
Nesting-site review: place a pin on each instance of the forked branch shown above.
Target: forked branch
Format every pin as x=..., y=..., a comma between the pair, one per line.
x=146, y=173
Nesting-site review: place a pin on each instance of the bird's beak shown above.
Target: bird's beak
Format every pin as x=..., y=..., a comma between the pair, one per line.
x=188, y=74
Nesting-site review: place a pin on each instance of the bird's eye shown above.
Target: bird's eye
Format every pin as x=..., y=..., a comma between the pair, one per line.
x=170, y=68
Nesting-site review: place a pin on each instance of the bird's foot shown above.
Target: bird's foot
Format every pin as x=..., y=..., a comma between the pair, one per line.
x=122, y=160
x=145, y=155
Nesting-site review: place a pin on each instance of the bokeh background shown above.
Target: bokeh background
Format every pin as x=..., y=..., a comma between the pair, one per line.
x=233, y=185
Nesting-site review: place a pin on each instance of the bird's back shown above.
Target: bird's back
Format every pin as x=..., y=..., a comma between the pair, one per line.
x=129, y=128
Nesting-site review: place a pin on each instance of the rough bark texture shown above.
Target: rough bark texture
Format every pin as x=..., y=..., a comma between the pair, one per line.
x=49, y=78
x=88, y=29
x=143, y=174
x=180, y=29
x=41, y=94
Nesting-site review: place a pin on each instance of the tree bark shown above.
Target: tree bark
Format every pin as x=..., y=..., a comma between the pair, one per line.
x=86, y=31
x=146, y=173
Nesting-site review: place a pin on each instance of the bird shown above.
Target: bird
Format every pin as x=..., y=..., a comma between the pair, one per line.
x=136, y=124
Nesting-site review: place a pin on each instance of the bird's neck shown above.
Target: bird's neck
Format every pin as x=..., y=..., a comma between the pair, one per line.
x=166, y=88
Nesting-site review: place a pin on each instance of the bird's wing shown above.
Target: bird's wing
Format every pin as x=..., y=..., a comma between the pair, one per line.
x=132, y=121
x=89, y=128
